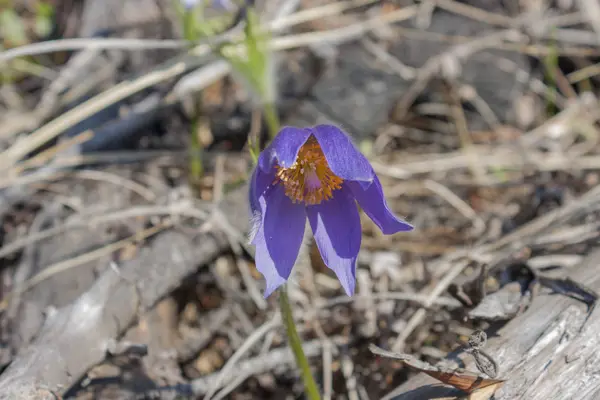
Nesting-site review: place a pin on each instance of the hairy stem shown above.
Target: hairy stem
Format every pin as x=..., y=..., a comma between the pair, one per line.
x=272, y=119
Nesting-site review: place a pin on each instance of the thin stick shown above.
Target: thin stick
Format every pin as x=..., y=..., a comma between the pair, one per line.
x=457, y=203
x=464, y=136
x=55, y=127
x=418, y=317
x=43, y=176
x=91, y=220
x=87, y=109
x=74, y=262
x=250, y=283
x=257, y=335
x=45, y=156
x=52, y=46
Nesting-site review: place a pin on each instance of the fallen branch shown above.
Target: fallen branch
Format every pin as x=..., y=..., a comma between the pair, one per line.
x=76, y=337
x=546, y=353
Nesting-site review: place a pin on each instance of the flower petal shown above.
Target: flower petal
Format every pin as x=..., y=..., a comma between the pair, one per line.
x=259, y=183
x=343, y=157
x=336, y=227
x=372, y=201
x=278, y=237
x=284, y=148
x=223, y=5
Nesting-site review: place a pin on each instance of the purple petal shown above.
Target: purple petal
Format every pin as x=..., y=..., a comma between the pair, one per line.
x=218, y=4
x=336, y=227
x=259, y=183
x=278, y=237
x=223, y=4
x=284, y=148
x=188, y=4
x=343, y=157
x=373, y=203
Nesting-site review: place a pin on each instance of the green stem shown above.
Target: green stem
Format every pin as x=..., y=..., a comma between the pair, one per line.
x=272, y=119
x=255, y=71
x=196, y=167
x=254, y=148
x=189, y=27
x=310, y=387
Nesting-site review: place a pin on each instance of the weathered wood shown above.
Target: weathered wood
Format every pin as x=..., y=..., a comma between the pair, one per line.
x=77, y=336
x=546, y=353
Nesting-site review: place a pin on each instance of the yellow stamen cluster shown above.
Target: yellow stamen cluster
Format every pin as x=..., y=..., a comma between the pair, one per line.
x=309, y=180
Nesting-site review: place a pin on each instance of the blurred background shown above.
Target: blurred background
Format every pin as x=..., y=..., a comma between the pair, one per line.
x=124, y=152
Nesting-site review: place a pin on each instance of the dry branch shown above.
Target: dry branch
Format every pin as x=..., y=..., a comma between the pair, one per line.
x=99, y=316
x=547, y=353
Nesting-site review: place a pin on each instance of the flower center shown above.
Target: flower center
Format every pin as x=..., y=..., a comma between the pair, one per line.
x=309, y=180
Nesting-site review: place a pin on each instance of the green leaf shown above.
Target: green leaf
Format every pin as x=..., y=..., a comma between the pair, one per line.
x=252, y=60
x=12, y=28
x=44, y=9
x=43, y=19
x=258, y=54
x=43, y=26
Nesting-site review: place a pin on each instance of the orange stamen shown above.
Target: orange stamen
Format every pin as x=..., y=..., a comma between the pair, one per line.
x=309, y=180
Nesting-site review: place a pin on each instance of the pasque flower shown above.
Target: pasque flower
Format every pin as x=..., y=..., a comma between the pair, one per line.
x=220, y=4
x=316, y=173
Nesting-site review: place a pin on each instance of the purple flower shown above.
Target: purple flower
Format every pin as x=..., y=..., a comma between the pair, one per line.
x=219, y=4
x=188, y=4
x=316, y=173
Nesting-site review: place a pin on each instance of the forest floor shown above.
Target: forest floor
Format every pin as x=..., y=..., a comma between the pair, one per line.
x=123, y=278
